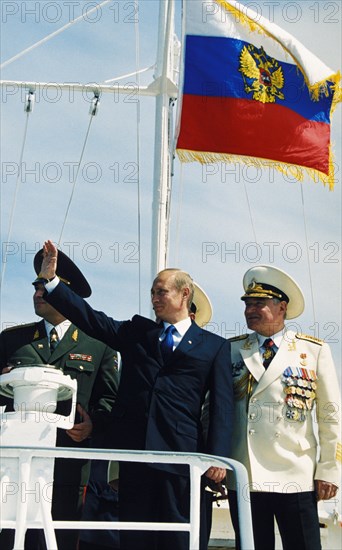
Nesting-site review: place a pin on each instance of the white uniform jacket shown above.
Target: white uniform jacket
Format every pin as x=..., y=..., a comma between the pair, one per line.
x=287, y=418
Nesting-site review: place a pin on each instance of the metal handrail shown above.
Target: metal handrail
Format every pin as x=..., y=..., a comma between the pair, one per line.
x=198, y=464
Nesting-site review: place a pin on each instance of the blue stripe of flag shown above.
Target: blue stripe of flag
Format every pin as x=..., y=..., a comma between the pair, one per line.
x=212, y=69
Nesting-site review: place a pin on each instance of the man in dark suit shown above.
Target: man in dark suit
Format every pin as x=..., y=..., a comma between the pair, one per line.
x=93, y=364
x=159, y=399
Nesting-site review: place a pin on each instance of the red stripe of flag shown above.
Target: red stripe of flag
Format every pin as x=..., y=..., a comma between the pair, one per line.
x=253, y=129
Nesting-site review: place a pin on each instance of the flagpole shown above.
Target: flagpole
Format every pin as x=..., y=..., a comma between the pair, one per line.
x=162, y=161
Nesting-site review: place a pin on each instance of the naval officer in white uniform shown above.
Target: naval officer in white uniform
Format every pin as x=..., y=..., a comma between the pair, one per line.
x=287, y=424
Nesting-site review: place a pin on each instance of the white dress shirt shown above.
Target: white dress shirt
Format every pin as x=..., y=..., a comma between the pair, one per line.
x=181, y=328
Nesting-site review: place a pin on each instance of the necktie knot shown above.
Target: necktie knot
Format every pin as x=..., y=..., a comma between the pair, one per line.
x=268, y=343
x=53, y=339
x=269, y=352
x=167, y=342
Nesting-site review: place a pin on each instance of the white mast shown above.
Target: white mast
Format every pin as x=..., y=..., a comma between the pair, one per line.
x=162, y=161
x=165, y=91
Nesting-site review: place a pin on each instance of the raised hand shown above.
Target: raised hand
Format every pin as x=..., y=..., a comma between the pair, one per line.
x=49, y=264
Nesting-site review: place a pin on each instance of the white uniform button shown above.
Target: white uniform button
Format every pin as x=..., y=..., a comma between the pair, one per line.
x=277, y=434
x=251, y=432
x=252, y=416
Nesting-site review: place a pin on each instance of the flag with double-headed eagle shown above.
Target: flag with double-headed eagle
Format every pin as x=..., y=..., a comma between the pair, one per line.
x=252, y=93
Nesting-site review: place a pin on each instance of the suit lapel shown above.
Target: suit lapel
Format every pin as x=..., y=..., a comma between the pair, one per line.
x=152, y=337
x=278, y=364
x=40, y=342
x=192, y=337
x=251, y=357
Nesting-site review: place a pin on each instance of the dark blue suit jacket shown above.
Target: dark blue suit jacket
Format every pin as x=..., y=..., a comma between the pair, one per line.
x=158, y=406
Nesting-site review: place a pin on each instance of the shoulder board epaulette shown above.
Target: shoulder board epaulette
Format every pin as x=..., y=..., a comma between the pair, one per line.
x=19, y=326
x=237, y=338
x=310, y=338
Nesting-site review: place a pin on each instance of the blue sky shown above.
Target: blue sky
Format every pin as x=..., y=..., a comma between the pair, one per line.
x=211, y=233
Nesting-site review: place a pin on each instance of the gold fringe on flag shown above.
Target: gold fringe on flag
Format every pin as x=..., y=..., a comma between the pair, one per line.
x=293, y=170
x=339, y=452
x=316, y=89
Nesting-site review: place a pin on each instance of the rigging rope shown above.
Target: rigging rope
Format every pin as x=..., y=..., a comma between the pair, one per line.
x=52, y=35
x=250, y=213
x=308, y=256
x=93, y=113
x=28, y=109
x=130, y=74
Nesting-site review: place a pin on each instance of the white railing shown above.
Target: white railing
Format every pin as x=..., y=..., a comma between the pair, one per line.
x=198, y=464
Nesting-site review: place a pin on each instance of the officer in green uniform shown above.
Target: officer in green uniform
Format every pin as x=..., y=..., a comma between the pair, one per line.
x=56, y=341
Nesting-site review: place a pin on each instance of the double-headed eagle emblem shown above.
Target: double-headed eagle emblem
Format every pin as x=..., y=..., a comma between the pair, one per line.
x=262, y=75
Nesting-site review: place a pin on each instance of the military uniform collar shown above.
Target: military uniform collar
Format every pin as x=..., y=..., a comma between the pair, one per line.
x=277, y=338
x=61, y=328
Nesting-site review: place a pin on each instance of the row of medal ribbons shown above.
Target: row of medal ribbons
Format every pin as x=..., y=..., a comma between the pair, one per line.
x=300, y=386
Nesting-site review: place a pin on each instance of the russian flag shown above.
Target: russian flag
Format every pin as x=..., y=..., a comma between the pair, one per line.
x=251, y=92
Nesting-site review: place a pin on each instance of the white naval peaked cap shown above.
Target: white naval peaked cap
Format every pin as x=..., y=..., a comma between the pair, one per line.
x=265, y=281
x=201, y=306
